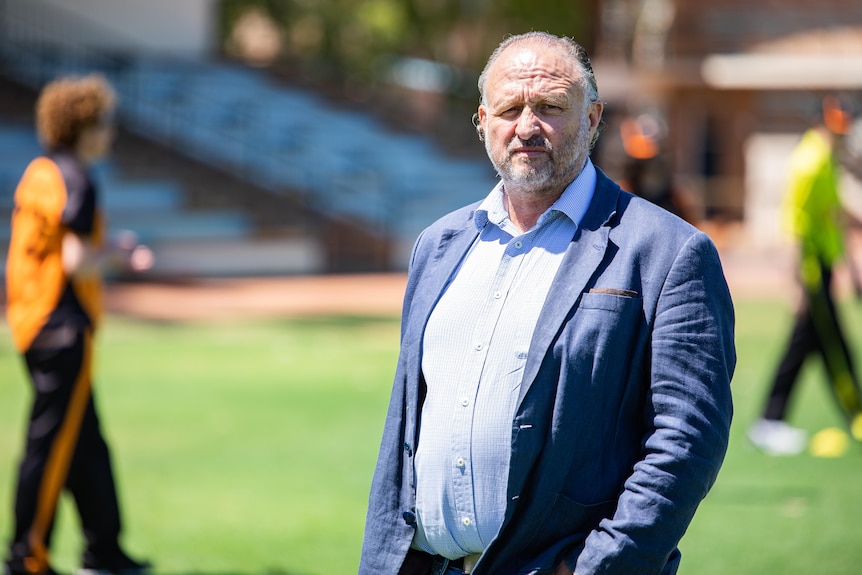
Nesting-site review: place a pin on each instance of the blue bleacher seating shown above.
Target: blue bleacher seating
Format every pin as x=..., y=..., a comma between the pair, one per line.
x=154, y=210
x=280, y=138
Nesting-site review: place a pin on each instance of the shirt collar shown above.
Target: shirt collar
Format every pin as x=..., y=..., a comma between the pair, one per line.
x=573, y=203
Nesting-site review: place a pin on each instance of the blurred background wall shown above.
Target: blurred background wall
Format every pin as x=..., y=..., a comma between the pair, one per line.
x=186, y=27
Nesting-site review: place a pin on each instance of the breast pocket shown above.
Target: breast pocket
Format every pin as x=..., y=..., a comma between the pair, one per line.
x=611, y=300
x=600, y=342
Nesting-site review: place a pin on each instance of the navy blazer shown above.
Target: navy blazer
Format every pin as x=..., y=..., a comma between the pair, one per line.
x=625, y=405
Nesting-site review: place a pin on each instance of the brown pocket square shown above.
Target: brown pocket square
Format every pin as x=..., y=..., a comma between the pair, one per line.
x=615, y=291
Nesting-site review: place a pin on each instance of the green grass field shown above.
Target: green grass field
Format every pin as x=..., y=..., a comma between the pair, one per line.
x=248, y=448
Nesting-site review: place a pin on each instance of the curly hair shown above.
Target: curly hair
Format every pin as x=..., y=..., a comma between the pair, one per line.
x=69, y=105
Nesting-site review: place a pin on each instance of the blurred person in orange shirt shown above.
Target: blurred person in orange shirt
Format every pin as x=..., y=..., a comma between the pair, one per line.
x=57, y=254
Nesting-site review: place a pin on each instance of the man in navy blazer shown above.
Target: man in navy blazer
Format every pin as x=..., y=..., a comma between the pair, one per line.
x=562, y=400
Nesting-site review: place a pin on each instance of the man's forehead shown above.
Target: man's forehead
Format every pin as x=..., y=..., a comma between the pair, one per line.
x=531, y=58
x=524, y=62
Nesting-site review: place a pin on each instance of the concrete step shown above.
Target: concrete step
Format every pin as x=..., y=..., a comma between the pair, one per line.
x=183, y=258
x=156, y=226
x=120, y=197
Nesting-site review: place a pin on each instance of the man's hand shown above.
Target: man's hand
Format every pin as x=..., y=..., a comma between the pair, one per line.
x=82, y=258
x=141, y=259
x=135, y=257
x=563, y=569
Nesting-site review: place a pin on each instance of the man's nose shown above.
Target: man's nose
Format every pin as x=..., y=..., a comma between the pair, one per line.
x=528, y=124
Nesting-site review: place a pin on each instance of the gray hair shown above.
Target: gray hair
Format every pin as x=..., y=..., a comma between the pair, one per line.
x=568, y=45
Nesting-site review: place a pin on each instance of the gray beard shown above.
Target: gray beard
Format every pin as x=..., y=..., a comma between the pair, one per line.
x=536, y=180
x=550, y=177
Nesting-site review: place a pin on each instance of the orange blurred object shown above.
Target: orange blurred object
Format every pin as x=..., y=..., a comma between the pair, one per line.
x=836, y=119
x=636, y=142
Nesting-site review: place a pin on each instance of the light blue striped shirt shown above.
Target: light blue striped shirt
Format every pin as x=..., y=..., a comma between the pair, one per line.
x=475, y=349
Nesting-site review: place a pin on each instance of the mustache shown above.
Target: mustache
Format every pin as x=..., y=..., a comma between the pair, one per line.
x=537, y=141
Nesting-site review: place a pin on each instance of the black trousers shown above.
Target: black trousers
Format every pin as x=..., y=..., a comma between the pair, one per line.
x=816, y=330
x=64, y=450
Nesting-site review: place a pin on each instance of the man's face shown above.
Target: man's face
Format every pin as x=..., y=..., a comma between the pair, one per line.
x=537, y=121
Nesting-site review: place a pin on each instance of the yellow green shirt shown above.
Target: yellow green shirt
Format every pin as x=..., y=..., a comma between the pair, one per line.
x=812, y=206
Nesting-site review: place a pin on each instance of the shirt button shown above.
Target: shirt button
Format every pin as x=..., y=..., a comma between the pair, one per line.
x=497, y=295
x=466, y=522
x=519, y=244
x=479, y=347
x=460, y=462
x=465, y=401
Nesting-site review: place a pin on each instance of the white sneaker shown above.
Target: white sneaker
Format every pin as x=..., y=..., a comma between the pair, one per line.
x=774, y=437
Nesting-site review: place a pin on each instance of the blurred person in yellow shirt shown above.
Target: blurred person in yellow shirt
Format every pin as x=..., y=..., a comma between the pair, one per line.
x=812, y=213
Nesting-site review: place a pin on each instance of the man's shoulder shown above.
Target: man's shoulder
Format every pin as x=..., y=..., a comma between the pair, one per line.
x=637, y=213
x=448, y=227
x=42, y=187
x=42, y=170
x=453, y=222
x=648, y=232
x=457, y=218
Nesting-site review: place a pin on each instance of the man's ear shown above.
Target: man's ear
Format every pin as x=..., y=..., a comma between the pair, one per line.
x=595, y=115
x=479, y=119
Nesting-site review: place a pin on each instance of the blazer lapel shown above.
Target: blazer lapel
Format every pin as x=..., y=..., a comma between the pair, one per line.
x=453, y=245
x=583, y=257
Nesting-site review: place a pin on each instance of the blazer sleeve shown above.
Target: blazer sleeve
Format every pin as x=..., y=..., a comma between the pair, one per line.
x=388, y=534
x=687, y=415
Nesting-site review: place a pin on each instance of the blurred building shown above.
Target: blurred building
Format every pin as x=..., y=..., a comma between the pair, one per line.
x=287, y=182
x=736, y=83
x=186, y=28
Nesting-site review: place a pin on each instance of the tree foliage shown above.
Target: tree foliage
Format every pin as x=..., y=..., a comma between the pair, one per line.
x=350, y=36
